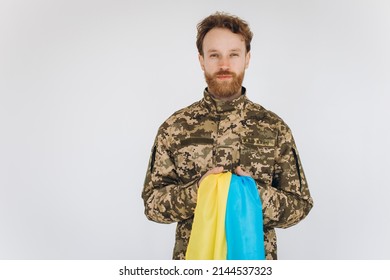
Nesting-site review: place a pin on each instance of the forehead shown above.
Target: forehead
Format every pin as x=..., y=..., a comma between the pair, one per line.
x=222, y=39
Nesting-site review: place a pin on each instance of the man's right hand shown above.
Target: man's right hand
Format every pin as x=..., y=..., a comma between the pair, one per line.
x=215, y=170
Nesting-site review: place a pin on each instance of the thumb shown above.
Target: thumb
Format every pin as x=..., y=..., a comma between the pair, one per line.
x=241, y=172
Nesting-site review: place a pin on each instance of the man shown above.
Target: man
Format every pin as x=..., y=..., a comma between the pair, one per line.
x=224, y=131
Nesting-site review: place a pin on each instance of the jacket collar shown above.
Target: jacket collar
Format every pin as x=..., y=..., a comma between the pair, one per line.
x=218, y=106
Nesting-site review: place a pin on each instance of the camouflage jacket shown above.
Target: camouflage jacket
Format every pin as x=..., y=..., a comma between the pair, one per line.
x=213, y=133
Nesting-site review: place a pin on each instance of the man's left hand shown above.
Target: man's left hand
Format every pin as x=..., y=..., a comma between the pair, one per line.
x=241, y=172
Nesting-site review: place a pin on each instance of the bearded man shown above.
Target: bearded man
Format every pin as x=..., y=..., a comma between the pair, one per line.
x=224, y=131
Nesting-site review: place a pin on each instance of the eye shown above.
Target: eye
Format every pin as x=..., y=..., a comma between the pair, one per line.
x=234, y=55
x=214, y=55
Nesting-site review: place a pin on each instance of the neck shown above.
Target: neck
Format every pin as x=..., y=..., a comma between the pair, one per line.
x=227, y=98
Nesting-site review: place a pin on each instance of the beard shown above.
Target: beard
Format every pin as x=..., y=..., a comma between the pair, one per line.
x=224, y=89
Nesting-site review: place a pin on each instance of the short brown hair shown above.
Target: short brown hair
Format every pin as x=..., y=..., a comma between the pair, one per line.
x=223, y=20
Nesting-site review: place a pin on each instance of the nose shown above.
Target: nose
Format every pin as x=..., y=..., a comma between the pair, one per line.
x=224, y=63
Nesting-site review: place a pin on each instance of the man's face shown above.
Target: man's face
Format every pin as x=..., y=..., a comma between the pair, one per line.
x=224, y=62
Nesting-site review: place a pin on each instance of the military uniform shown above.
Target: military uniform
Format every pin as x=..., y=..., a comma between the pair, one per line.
x=213, y=133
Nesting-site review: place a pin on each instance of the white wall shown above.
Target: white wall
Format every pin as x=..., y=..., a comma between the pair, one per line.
x=84, y=86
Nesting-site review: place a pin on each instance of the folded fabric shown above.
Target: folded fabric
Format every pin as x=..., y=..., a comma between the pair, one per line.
x=228, y=220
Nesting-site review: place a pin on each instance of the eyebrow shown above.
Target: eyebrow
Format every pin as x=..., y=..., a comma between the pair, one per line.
x=232, y=50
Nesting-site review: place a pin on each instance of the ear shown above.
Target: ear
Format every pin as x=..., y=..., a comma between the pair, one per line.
x=247, y=59
x=201, y=61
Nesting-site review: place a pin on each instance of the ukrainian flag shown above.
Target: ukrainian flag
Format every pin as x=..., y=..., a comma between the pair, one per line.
x=228, y=220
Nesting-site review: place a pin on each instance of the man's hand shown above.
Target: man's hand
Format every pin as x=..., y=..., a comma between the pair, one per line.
x=215, y=170
x=241, y=172
x=219, y=169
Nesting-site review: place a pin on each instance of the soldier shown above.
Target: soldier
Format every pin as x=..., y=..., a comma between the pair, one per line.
x=224, y=131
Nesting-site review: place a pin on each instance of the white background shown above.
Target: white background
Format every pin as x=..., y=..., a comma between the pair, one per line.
x=85, y=84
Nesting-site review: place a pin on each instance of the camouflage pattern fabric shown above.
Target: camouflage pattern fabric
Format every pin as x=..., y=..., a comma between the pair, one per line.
x=213, y=133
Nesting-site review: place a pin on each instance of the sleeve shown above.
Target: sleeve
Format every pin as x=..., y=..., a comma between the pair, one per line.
x=287, y=200
x=165, y=197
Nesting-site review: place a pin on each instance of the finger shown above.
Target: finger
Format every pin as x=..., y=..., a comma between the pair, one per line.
x=216, y=170
x=241, y=172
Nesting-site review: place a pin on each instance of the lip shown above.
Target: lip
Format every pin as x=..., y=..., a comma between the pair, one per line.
x=224, y=77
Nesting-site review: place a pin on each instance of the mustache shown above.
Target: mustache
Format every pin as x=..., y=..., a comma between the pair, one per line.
x=224, y=72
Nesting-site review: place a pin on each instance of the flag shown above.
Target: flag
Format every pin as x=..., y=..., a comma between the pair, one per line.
x=228, y=220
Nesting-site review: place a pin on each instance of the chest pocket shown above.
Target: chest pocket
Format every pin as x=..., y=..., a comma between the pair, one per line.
x=194, y=157
x=258, y=156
